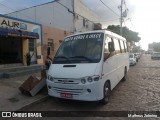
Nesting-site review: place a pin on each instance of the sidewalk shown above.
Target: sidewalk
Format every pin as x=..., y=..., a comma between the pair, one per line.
x=11, y=99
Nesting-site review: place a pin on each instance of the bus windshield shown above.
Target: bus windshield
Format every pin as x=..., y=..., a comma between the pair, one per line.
x=83, y=48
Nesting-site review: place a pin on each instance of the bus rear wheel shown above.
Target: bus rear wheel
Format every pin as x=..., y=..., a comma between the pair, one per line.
x=125, y=74
x=106, y=93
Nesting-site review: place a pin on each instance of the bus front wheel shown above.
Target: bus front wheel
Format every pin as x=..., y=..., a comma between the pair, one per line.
x=106, y=93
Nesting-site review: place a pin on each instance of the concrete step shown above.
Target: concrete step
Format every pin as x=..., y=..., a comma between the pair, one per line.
x=2, y=66
x=18, y=71
x=19, y=68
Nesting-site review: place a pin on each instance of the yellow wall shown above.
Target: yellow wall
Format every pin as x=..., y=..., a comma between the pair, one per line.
x=25, y=50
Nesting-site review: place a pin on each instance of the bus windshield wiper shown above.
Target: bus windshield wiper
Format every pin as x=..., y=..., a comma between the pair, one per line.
x=86, y=58
x=63, y=57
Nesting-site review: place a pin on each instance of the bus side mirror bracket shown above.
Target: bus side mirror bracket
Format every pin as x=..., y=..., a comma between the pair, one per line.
x=111, y=47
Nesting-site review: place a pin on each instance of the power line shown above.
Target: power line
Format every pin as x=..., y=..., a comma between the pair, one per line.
x=129, y=20
x=7, y=7
x=109, y=8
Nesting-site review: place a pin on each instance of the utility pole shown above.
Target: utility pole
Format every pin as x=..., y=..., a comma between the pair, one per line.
x=123, y=14
x=121, y=19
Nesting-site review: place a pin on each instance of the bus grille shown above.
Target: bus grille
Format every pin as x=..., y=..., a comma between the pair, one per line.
x=67, y=90
x=66, y=81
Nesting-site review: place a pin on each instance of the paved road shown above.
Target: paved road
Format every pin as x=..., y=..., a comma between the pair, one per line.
x=141, y=92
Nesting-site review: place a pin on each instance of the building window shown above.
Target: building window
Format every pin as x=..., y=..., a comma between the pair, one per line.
x=31, y=45
x=50, y=44
x=87, y=24
x=84, y=22
x=77, y=17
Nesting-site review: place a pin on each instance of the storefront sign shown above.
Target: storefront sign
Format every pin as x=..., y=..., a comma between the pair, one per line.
x=15, y=25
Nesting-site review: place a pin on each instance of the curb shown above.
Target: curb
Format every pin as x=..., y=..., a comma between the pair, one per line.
x=34, y=103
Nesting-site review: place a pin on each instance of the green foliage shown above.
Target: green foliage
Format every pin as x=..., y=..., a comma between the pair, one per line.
x=155, y=46
x=136, y=49
x=28, y=56
x=128, y=34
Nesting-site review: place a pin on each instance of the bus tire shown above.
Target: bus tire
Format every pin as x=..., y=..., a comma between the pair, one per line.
x=125, y=74
x=106, y=93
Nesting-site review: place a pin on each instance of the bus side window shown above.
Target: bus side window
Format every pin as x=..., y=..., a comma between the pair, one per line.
x=108, y=39
x=119, y=41
x=117, y=46
x=122, y=46
x=107, y=54
x=125, y=48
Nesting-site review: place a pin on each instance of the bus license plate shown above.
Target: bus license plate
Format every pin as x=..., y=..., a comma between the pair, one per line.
x=66, y=95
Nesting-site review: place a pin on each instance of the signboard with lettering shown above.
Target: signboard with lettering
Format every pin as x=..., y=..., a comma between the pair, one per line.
x=13, y=24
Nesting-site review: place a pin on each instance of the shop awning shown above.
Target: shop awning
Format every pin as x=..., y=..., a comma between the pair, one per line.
x=9, y=32
x=30, y=35
x=14, y=33
x=3, y=31
x=18, y=33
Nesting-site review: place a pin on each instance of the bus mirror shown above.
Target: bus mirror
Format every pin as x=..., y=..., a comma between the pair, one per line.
x=111, y=47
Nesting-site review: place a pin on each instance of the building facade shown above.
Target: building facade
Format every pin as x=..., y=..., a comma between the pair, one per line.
x=17, y=38
x=59, y=19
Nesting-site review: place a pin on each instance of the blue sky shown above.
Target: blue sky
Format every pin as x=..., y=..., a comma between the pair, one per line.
x=7, y=6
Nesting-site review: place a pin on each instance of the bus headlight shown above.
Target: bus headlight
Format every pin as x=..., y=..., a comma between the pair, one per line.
x=89, y=79
x=83, y=80
x=93, y=78
x=96, y=78
x=50, y=78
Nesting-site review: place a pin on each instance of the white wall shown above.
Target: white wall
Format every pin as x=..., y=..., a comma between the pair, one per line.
x=55, y=15
x=51, y=14
x=83, y=10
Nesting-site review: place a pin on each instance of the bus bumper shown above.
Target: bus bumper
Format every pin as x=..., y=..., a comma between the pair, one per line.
x=92, y=92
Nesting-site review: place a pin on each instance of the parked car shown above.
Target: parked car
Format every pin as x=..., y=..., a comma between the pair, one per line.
x=155, y=55
x=132, y=59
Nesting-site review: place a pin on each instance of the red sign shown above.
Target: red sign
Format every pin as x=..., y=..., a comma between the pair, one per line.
x=66, y=95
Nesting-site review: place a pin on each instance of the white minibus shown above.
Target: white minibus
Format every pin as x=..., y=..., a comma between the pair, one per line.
x=88, y=65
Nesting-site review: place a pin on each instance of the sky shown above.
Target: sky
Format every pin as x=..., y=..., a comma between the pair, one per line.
x=143, y=15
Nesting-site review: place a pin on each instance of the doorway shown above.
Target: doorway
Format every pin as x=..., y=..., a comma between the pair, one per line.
x=10, y=50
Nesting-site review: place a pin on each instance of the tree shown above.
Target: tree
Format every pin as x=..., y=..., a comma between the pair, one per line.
x=128, y=34
x=155, y=46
